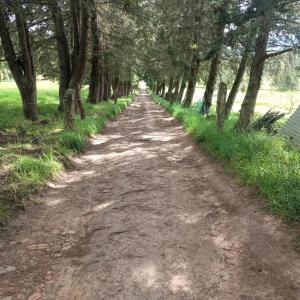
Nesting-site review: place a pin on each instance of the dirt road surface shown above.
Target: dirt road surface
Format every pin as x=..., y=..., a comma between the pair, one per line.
x=146, y=214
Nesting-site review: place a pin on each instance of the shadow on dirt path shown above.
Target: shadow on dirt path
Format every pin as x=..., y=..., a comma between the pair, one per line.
x=147, y=215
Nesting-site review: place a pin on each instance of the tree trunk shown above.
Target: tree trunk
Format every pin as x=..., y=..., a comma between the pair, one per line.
x=240, y=74
x=211, y=82
x=163, y=89
x=62, y=51
x=69, y=109
x=176, y=91
x=79, y=52
x=28, y=94
x=158, y=86
x=115, y=87
x=101, y=85
x=192, y=82
x=256, y=74
x=221, y=102
x=214, y=67
x=95, y=80
x=109, y=88
x=104, y=93
x=21, y=67
x=181, y=90
x=170, y=89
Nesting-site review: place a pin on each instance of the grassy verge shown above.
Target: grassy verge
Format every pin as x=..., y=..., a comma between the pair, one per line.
x=32, y=154
x=260, y=160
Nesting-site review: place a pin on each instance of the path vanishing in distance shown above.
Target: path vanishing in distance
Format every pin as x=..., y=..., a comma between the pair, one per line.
x=146, y=214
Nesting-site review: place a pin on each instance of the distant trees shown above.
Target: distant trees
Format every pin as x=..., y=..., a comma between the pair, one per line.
x=201, y=48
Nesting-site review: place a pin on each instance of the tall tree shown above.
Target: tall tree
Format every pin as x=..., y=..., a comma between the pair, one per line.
x=214, y=66
x=271, y=15
x=95, y=86
x=240, y=73
x=72, y=65
x=20, y=62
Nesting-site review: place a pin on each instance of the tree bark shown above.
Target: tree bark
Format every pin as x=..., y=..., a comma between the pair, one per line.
x=115, y=87
x=211, y=82
x=163, y=89
x=95, y=80
x=62, y=51
x=109, y=88
x=170, y=89
x=158, y=87
x=181, y=90
x=22, y=68
x=240, y=74
x=221, y=102
x=104, y=91
x=79, y=12
x=69, y=109
x=214, y=67
x=176, y=90
x=256, y=73
x=192, y=82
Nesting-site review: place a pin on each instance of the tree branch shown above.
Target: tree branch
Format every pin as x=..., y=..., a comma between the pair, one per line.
x=274, y=54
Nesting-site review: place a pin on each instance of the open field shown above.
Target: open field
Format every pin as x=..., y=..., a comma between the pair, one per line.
x=32, y=153
x=267, y=99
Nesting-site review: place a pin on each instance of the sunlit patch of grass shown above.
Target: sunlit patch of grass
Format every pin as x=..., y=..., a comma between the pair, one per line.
x=34, y=153
x=286, y=101
x=259, y=159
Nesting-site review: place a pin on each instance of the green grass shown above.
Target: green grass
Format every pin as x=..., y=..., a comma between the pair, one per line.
x=259, y=159
x=268, y=98
x=31, y=154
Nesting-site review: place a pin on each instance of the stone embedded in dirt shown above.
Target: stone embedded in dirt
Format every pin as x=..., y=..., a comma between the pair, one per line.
x=66, y=248
x=42, y=246
x=55, y=232
x=7, y=269
x=35, y=296
x=32, y=247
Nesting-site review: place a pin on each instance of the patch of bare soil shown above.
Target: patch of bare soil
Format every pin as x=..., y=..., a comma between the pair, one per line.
x=147, y=215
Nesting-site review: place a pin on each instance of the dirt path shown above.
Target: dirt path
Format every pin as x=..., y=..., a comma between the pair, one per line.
x=147, y=215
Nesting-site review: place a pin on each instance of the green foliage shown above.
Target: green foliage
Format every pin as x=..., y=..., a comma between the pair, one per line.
x=72, y=140
x=284, y=71
x=27, y=172
x=259, y=159
x=33, y=153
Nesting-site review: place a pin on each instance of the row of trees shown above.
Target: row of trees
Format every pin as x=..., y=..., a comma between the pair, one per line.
x=218, y=40
x=73, y=41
